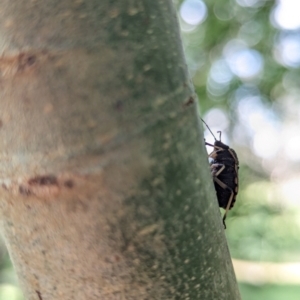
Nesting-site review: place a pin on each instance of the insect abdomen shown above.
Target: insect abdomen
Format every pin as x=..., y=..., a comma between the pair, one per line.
x=228, y=177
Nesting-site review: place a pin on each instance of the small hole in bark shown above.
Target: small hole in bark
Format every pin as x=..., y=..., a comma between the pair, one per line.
x=31, y=60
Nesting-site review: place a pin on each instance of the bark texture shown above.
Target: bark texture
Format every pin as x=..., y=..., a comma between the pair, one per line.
x=105, y=186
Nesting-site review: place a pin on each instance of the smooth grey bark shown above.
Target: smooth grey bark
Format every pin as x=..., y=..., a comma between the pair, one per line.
x=105, y=186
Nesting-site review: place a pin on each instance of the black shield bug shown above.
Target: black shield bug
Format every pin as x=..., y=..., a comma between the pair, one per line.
x=224, y=169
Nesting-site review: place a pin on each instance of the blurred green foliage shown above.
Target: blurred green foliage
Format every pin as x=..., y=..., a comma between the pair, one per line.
x=251, y=25
x=270, y=291
x=260, y=230
x=260, y=227
x=8, y=280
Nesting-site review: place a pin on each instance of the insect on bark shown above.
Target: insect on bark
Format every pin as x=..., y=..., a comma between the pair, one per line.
x=224, y=169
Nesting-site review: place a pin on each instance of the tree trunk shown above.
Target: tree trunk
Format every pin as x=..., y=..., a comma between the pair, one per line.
x=106, y=191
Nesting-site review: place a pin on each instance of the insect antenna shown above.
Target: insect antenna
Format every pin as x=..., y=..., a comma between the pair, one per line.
x=210, y=130
x=220, y=132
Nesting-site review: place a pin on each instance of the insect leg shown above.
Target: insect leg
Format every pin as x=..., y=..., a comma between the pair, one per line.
x=221, y=184
x=216, y=147
x=227, y=207
x=234, y=156
x=208, y=144
x=215, y=174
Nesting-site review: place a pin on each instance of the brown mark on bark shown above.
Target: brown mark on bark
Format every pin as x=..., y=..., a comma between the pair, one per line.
x=44, y=185
x=43, y=180
x=41, y=186
x=26, y=60
x=11, y=65
x=39, y=295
